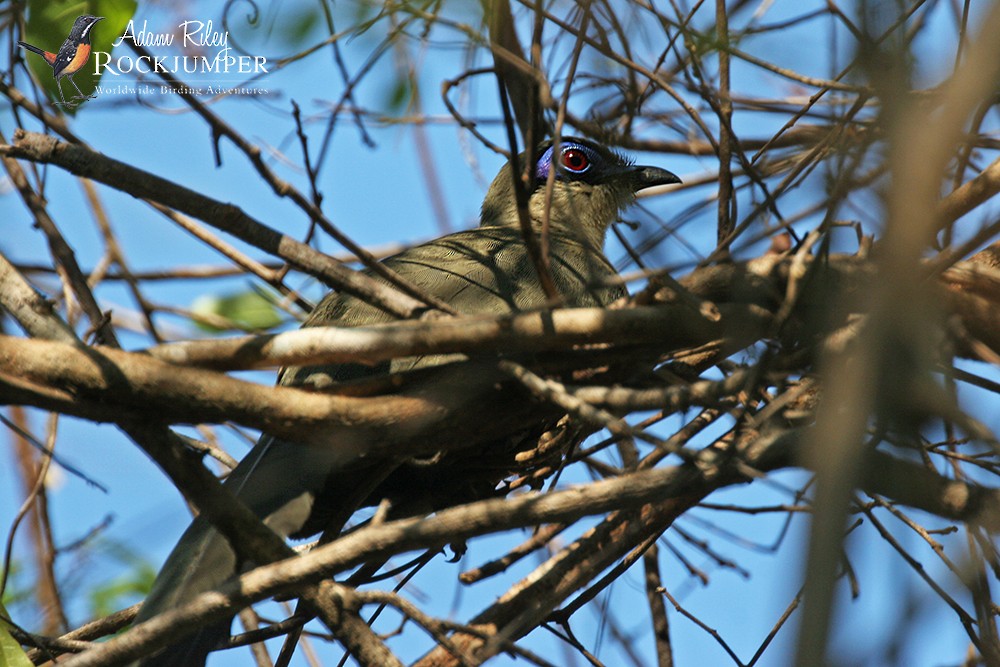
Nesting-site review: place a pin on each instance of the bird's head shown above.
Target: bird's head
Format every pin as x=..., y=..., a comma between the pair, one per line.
x=592, y=186
x=82, y=27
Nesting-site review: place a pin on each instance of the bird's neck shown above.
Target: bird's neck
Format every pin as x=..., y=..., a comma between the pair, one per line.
x=581, y=213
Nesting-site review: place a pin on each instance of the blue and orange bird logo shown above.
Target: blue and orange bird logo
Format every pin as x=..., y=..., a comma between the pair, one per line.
x=71, y=56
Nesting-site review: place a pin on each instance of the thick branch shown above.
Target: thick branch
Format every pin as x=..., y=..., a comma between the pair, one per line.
x=110, y=385
x=669, y=327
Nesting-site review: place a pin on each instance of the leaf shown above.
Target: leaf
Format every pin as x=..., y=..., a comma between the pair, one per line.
x=123, y=590
x=244, y=310
x=11, y=653
x=300, y=23
x=400, y=94
x=49, y=23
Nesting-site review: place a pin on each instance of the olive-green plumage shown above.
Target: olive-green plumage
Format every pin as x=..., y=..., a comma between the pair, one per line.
x=486, y=270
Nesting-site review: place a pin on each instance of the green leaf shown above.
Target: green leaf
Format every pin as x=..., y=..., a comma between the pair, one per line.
x=300, y=23
x=122, y=591
x=400, y=94
x=48, y=24
x=11, y=653
x=249, y=311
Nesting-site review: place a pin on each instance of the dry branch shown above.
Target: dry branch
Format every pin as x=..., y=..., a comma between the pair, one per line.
x=229, y=218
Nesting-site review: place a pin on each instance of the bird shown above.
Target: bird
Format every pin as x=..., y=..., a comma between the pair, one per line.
x=71, y=56
x=484, y=270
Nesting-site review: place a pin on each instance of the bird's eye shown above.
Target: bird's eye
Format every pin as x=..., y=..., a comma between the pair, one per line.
x=575, y=160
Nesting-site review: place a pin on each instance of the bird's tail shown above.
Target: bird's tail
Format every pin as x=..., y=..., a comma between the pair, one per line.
x=33, y=49
x=278, y=482
x=201, y=561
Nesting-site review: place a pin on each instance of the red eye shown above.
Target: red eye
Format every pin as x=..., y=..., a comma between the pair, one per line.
x=575, y=160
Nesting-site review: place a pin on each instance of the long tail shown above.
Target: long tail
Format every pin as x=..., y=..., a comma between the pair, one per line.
x=33, y=49
x=278, y=482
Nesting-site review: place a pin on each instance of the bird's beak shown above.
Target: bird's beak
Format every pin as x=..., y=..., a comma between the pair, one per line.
x=646, y=177
x=640, y=177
